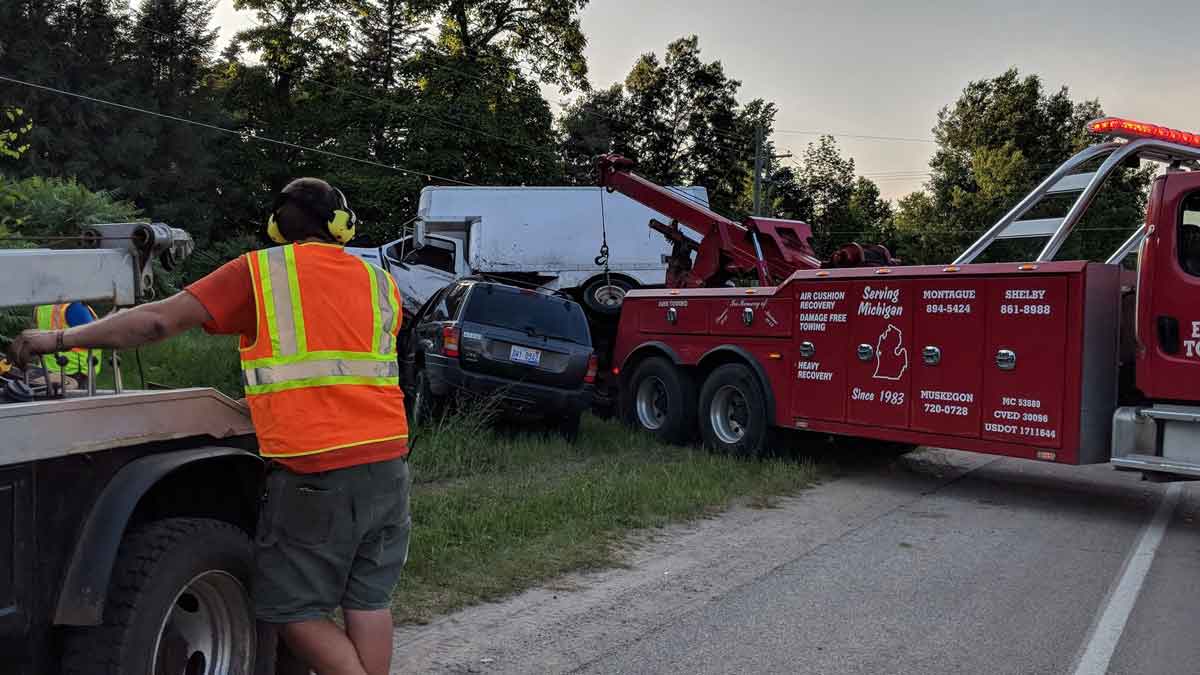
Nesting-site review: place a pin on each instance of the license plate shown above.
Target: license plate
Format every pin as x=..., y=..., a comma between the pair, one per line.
x=523, y=355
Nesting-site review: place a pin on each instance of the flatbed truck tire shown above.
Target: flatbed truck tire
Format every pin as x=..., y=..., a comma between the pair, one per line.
x=661, y=399
x=178, y=602
x=733, y=412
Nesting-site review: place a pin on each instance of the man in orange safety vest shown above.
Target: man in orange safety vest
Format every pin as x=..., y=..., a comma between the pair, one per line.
x=318, y=353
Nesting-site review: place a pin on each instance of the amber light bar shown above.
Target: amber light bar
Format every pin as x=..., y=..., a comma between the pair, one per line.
x=1123, y=128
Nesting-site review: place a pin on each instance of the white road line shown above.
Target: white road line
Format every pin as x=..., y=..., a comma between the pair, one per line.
x=1102, y=643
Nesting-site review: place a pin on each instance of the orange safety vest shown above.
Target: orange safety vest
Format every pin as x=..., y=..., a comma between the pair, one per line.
x=321, y=374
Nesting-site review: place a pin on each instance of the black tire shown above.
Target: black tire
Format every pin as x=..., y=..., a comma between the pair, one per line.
x=661, y=399
x=426, y=406
x=172, y=577
x=733, y=412
x=568, y=426
x=604, y=297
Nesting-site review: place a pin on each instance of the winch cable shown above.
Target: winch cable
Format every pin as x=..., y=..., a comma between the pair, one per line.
x=602, y=259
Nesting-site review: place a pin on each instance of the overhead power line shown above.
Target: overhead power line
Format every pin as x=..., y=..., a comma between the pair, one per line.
x=241, y=134
x=869, y=137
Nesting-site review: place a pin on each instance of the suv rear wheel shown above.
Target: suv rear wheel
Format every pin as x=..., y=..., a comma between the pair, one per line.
x=177, y=603
x=426, y=406
x=733, y=412
x=661, y=399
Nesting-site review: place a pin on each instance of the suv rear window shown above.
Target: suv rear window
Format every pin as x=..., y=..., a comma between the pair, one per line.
x=523, y=310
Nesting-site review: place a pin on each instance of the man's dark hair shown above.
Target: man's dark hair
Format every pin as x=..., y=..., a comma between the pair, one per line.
x=304, y=208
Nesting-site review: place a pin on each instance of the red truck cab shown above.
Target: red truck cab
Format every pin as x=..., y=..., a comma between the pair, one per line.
x=1014, y=358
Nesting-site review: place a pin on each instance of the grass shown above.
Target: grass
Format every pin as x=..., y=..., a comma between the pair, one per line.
x=193, y=359
x=497, y=510
x=495, y=513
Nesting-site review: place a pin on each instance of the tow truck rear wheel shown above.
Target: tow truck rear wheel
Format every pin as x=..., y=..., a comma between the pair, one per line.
x=661, y=399
x=177, y=602
x=733, y=412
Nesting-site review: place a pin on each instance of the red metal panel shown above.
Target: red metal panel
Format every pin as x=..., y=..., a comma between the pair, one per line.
x=751, y=317
x=673, y=315
x=819, y=389
x=948, y=382
x=1026, y=317
x=880, y=355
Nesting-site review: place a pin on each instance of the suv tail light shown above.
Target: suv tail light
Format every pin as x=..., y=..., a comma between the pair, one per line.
x=593, y=368
x=450, y=340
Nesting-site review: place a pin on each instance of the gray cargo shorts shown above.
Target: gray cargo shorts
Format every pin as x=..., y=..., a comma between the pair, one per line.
x=332, y=539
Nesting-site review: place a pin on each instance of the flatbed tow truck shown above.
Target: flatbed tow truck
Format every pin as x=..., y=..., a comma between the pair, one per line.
x=1072, y=362
x=125, y=516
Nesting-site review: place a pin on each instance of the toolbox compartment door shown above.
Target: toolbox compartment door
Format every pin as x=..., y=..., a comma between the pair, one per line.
x=751, y=317
x=673, y=315
x=818, y=352
x=879, y=355
x=1025, y=362
x=948, y=355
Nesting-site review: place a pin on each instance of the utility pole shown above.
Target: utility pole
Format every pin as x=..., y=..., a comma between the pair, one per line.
x=760, y=158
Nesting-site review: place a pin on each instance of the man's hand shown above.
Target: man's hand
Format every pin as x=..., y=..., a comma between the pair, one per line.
x=30, y=344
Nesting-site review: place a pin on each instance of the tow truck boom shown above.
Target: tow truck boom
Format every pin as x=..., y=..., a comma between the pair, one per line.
x=771, y=248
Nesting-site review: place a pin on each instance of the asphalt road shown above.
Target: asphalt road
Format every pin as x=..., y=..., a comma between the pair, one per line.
x=941, y=563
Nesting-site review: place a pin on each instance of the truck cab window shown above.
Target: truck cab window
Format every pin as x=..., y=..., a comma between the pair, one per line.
x=432, y=254
x=1189, y=235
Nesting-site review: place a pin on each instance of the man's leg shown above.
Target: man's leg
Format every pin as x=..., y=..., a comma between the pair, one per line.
x=325, y=648
x=371, y=633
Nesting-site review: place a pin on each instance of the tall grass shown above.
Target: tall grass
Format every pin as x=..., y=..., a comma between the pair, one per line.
x=193, y=359
x=496, y=512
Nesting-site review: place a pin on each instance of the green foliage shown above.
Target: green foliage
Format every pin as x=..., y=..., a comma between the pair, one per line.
x=13, y=125
x=678, y=117
x=50, y=207
x=193, y=359
x=995, y=143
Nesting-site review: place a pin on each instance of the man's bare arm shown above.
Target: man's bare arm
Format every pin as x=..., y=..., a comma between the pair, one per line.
x=140, y=325
x=124, y=330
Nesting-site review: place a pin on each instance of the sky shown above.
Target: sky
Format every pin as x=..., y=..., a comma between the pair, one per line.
x=886, y=68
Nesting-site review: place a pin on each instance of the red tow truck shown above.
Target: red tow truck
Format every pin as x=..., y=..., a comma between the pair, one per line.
x=1072, y=362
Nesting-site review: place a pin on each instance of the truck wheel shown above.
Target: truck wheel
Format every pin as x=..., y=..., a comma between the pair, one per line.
x=604, y=296
x=177, y=603
x=733, y=412
x=661, y=399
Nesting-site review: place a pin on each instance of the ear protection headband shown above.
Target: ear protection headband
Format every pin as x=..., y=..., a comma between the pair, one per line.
x=340, y=221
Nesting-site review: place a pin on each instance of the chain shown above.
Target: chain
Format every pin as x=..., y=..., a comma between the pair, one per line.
x=602, y=259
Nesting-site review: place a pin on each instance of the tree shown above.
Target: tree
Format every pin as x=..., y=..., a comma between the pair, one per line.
x=678, y=118
x=181, y=175
x=545, y=34
x=995, y=143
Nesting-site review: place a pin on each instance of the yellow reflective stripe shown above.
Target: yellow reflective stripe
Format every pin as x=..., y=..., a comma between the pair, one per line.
x=45, y=317
x=281, y=297
x=319, y=355
x=377, y=326
x=313, y=368
x=289, y=253
x=397, y=310
x=268, y=299
x=322, y=382
x=335, y=447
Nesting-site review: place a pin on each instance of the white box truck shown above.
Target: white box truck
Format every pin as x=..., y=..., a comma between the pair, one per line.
x=549, y=236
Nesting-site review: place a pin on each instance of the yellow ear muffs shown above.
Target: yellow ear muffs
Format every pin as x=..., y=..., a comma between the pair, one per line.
x=344, y=221
x=342, y=226
x=273, y=231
